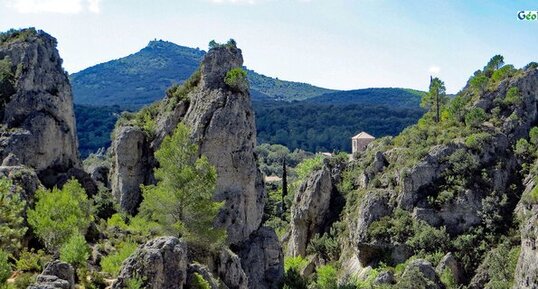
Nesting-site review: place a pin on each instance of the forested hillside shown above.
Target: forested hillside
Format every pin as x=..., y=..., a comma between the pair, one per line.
x=297, y=115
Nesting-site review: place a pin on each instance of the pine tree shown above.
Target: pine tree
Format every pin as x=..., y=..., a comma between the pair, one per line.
x=435, y=98
x=12, y=227
x=182, y=202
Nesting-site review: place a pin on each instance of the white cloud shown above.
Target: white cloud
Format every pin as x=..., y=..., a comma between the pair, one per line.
x=434, y=69
x=55, y=6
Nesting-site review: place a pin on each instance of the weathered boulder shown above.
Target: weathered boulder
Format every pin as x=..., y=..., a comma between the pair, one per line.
x=56, y=275
x=160, y=264
x=449, y=262
x=262, y=259
x=130, y=166
x=421, y=274
x=230, y=271
x=38, y=118
x=222, y=124
x=309, y=210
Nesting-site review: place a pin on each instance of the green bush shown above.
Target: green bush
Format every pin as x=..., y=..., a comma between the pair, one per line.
x=181, y=92
x=75, y=251
x=111, y=264
x=198, y=282
x=5, y=267
x=12, y=227
x=294, y=280
x=326, y=246
x=503, y=73
x=295, y=263
x=477, y=140
x=24, y=280
x=326, y=277
x=475, y=117
x=513, y=97
x=58, y=214
x=117, y=221
x=135, y=283
x=236, y=79
x=32, y=261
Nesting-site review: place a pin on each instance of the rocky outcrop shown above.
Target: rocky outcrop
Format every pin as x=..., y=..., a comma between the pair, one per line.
x=449, y=262
x=222, y=124
x=38, y=119
x=315, y=207
x=526, y=275
x=421, y=274
x=57, y=275
x=160, y=264
x=130, y=166
x=262, y=259
x=230, y=271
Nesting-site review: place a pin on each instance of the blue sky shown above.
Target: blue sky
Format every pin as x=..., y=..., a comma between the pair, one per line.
x=330, y=43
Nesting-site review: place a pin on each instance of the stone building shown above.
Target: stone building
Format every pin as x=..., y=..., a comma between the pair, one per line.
x=360, y=141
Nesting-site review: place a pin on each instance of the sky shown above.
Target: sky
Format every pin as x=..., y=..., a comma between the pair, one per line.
x=339, y=44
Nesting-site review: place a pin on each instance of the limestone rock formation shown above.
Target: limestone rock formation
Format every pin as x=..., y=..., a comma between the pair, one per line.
x=230, y=271
x=315, y=207
x=130, y=166
x=38, y=123
x=262, y=259
x=222, y=124
x=57, y=275
x=160, y=264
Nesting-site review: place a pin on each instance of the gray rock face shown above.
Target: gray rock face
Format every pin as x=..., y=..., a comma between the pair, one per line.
x=230, y=271
x=222, y=123
x=129, y=167
x=56, y=275
x=309, y=209
x=262, y=259
x=526, y=275
x=161, y=264
x=39, y=123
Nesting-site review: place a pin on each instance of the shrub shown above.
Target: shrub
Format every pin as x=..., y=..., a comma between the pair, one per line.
x=181, y=92
x=104, y=204
x=117, y=221
x=12, y=227
x=503, y=72
x=182, y=201
x=24, y=280
x=198, y=282
x=295, y=263
x=475, y=117
x=294, y=280
x=326, y=277
x=5, y=267
x=477, y=140
x=135, y=283
x=60, y=213
x=513, y=97
x=111, y=264
x=75, y=251
x=448, y=279
x=326, y=246
x=32, y=261
x=236, y=79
